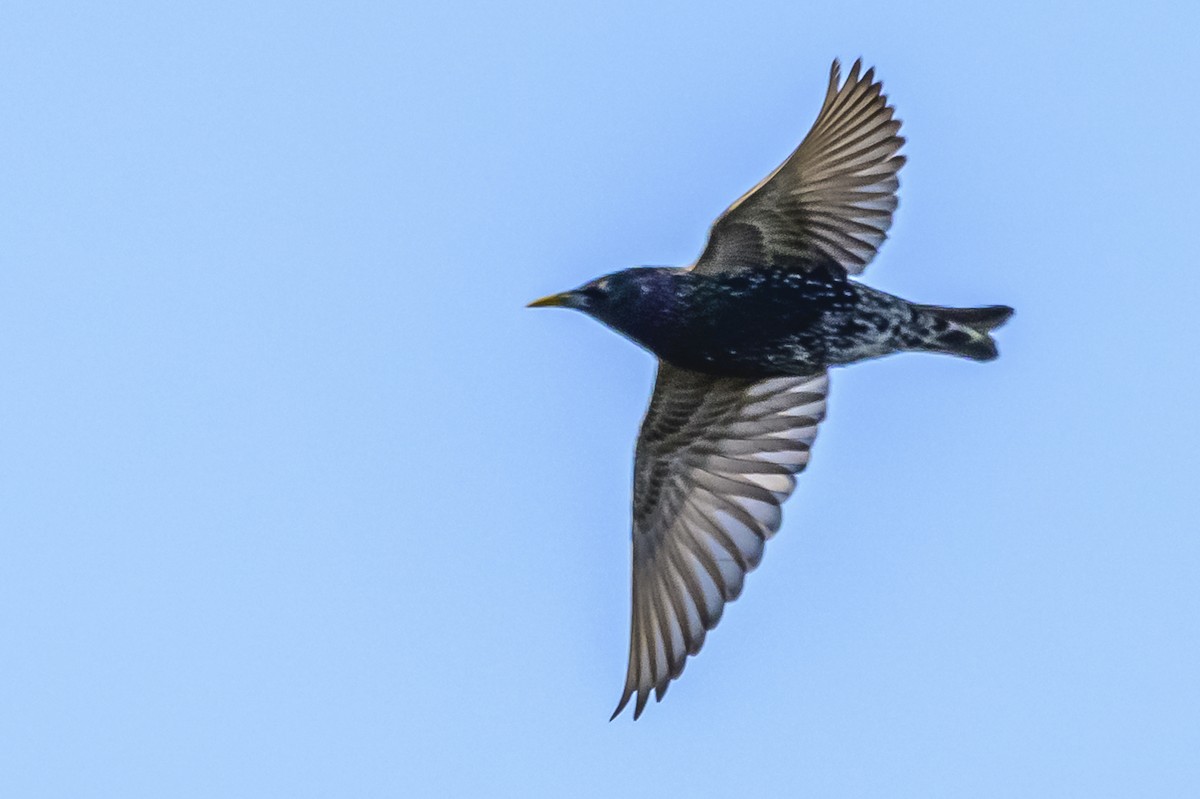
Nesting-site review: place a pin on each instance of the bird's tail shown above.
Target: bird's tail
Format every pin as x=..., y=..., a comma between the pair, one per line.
x=966, y=331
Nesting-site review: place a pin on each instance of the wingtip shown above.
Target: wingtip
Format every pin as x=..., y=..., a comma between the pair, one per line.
x=642, y=699
x=855, y=77
x=625, y=697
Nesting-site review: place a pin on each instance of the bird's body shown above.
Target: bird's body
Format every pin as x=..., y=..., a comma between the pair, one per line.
x=774, y=321
x=744, y=339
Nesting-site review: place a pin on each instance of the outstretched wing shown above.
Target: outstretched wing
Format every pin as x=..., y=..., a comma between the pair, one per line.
x=832, y=198
x=715, y=458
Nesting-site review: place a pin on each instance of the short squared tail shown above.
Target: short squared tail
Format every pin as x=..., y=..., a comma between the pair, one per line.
x=966, y=331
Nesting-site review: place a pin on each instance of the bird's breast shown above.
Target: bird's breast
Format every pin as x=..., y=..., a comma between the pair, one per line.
x=758, y=327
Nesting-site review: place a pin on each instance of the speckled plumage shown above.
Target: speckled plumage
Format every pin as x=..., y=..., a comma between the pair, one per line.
x=745, y=338
x=768, y=322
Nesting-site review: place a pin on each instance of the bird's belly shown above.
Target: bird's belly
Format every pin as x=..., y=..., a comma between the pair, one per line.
x=785, y=327
x=751, y=356
x=831, y=338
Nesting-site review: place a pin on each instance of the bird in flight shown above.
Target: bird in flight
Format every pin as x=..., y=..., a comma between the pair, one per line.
x=745, y=337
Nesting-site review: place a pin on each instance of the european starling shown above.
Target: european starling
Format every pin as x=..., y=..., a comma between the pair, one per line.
x=744, y=338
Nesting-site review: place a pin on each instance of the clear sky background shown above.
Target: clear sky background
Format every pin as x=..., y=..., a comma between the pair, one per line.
x=297, y=499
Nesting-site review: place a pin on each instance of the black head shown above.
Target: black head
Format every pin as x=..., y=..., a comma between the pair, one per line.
x=632, y=301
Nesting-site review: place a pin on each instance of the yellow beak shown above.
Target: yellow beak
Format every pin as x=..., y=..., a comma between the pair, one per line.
x=552, y=301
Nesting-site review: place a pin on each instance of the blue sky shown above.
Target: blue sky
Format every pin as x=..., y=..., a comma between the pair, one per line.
x=297, y=499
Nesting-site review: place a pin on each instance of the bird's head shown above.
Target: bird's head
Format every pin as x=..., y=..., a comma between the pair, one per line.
x=631, y=301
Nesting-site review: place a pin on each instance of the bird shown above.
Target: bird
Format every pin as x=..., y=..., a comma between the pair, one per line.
x=745, y=338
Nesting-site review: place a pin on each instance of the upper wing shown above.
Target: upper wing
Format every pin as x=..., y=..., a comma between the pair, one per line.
x=832, y=198
x=715, y=458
